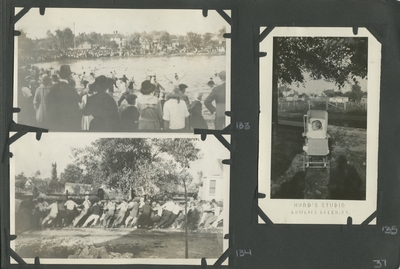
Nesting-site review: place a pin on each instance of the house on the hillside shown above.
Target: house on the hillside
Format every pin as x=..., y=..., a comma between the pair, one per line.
x=85, y=45
x=213, y=183
x=292, y=97
x=364, y=100
x=119, y=38
x=174, y=41
x=339, y=99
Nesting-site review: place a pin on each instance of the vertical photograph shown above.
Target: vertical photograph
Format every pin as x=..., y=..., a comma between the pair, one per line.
x=319, y=149
x=322, y=88
x=96, y=199
x=80, y=70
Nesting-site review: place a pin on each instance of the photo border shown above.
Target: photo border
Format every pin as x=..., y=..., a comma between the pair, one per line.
x=279, y=210
x=21, y=130
x=130, y=261
x=228, y=55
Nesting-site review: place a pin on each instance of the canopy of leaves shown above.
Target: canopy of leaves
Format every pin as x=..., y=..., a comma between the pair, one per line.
x=72, y=174
x=333, y=59
x=194, y=40
x=150, y=166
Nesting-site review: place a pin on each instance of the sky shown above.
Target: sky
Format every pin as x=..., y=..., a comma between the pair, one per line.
x=31, y=155
x=126, y=21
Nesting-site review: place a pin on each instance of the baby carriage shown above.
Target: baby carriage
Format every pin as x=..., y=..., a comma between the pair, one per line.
x=316, y=148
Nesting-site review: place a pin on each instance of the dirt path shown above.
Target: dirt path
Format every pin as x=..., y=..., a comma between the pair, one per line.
x=118, y=243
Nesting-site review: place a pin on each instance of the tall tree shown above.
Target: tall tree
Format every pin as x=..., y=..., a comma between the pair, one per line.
x=20, y=180
x=72, y=174
x=54, y=172
x=333, y=59
x=113, y=161
x=147, y=39
x=221, y=32
x=194, y=41
x=165, y=38
x=183, y=152
x=134, y=40
x=55, y=185
x=25, y=44
x=356, y=93
x=126, y=163
x=65, y=38
x=95, y=39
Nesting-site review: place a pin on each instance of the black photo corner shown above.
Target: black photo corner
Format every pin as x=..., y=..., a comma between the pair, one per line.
x=198, y=133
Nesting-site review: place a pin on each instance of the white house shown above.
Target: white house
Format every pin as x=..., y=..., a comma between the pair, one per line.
x=120, y=39
x=84, y=45
x=364, y=100
x=292, y=97
x=214, y=183
x=339, y=99
x=77, y=188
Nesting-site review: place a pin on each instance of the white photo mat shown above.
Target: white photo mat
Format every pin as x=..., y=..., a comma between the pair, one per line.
x=287, y=211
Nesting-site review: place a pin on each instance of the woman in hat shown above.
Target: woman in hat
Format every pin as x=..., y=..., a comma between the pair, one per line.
x=40, y=100
x=102, y=107
x=196, y=114
x=149, y=108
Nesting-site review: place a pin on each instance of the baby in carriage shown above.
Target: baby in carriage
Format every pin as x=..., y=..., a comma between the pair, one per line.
x=315, y=132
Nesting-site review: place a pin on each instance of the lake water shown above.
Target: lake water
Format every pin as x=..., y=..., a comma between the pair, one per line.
x=198, y=68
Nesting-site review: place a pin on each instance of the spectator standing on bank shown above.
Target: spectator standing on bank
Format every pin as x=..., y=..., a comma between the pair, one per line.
x=218, y=95
x=40, y=100
x=175, y=113
x=196, y=114
x=149, y=108
x=63, y=104
x=102, y=107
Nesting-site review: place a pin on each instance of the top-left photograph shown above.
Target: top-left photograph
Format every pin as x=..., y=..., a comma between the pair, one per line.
x=155, y=70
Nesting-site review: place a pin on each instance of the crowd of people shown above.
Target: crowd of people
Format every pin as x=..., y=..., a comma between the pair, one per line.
x=54, y=55
x=55, y=100
x=42, y=213
x=97, y=51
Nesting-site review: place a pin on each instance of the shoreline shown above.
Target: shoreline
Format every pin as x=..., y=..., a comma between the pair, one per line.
x=22, y=63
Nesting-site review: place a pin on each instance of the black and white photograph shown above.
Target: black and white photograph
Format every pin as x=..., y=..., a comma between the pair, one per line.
x=83, y=70
x=324, y=89
x=89, y=198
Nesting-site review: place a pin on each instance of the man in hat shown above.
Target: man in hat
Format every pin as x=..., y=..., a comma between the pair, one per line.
x=218, y=95
x=102, y=107
x=63, y=104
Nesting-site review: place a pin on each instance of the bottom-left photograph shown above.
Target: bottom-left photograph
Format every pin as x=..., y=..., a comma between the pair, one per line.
x=83, y=197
